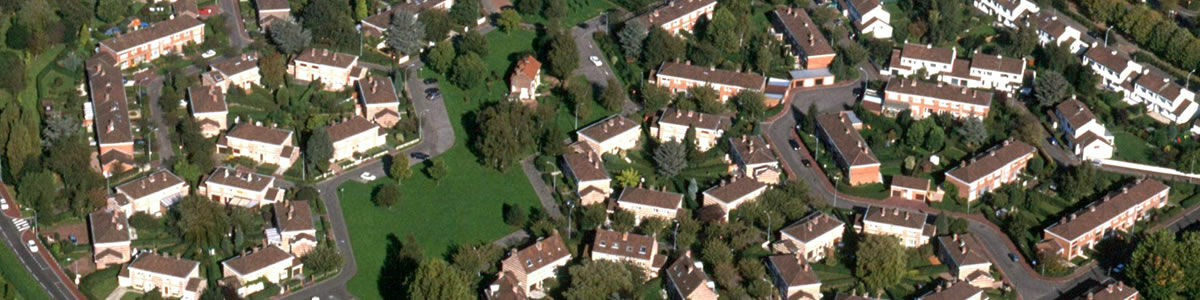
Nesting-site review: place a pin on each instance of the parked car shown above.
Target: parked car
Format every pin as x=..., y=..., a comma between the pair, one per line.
x=1014, y=257
x=33, y=247
x=419, y=155
x=3, y=204
x=434, y=95
x=1118, y=268
x=367, y=176
x=595, y=60
x=806, y=162
x=430, y=81
x=795, y=145
x=209, y=53
x=432, y=90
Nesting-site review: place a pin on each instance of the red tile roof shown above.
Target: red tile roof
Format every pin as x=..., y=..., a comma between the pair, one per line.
x=939, y=91
x=928, y=53
x=846, y=141
x=895, y=216
x=145, y=186
x=812, y=226
x=687, y=275
x=107, y=92
x=996, y=158
x=159, y=30
x=713, y=75
x=207, y=99
x=637, y=195
x=608, y=128
x=165, y=265
x=327, y=58
x=797, y=25
x=258, y=133
x=542, y=253
x=109, y=227
x=734, y=189
x=351, y=127
x=629, y=245
x=257, y=260
x=377, y=90
x=676, y=9
x=793, y=269
x=1105, y=209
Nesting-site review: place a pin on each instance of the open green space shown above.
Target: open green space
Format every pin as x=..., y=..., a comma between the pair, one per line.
x=13, y=272
x=1131, y=148
x=100, y=283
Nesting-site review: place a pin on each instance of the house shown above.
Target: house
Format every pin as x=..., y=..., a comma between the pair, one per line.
x=1112, y=290
x=270, y=11
x=376, y=25
x=680, y=78
x=794, y=26
x=532, y=265
x=957, y=290
x=998, y=166
x=923, y=99
x=679, y=15
x=152, y=194
x=755, y=159
x=728, y=195
x=964, y=256
x=812, y=237
x=797, y=79
x=686, y=280
x=1115, y=69
x=906, y=225
x=353, y=137
x=335, y=71
x=249, y=273
x=1052, y=30
x=1008, y=13
x=794, y=278
x=869, y=17
x=241, y=71
x=839, y=132
x=209, y=109
x=294, y=222
x=986, y=71
x=640, y=250
x=647, y=203
x=160, y=39
x=378, y=101
x=525, y=80
x=1086, y=137
x=264, y=145
x=111, y=238
x=674, y=123
x=912, y=188
x=505, y=287
x=174, y=277
x=1156, y=91
x=914, y=57
x=1083, y=229
x=611, y=135
x=241, y=188
x=109, y=112
x=186, y=7
x=586, y=169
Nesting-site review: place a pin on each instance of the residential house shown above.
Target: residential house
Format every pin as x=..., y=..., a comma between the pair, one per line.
x=1115, y=69
x=505, y=287
x=335, y=71
x=586, y=169
x=241, y=71
x=1086, y=137
x=966, y=259
x=245, y=274
x=271, y=11
x=686, y=280
x=755, y=159
x=794, y=278
x=794, y=26
x=174, y=277
x=355, y=136
x=911, y=188
x=914, y=57
x=1083, y=229
x=673, y=125
x=812, y=237
x=1156, y=91
x=924, y=99
x=532, y=265
x=906, y=225
x=957, y=290
x=839, y=132
x=611, y=135
x=376, y=25
x=163, y=38
x=150, y=195
x=1112, y=290
x=378, y=101
x=264, y=145
x=679, y=15
x=985, y=71
x=640, y=250
x=647, y=203
x=728, y=195
x=109, y=112
x=240, y=187
x=1008, y=13
x=778, y=89
x=869, y=17
x=111, y=238
x=525, y=80
x=209, y=109
x=681, y=78
x=1052, y=30
x=294, y=222
x=1000, y=165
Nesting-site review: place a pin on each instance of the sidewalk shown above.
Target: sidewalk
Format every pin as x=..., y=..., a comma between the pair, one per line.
x=544, y=193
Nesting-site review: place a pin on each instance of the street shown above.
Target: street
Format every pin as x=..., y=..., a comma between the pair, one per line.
x=43, y=267
x=238, y=38
x=597, y=75
x=162, y=138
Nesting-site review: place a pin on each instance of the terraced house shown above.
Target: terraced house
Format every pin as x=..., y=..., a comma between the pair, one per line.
x=111, y=238
x=680, y=15
x=150, y=195
x=681, y=78
x=956, y=290
x=754, y=158
x=906, y=225
x=1055, y=31
x=810, y=47
x=912, y=58
x=240, y=187
x=355, y=136
x=1115, y=69
x=335, y=71
x=924, y=99
x=912, y=188
x=813, y=237
x=174, y=277
x=647, y=203
x=1008, y=13
x=109, y=113
x=160, y=39
x=264, y=145
x=640, y=250
x=249, y=273
x=1083, y=229
x=673, y=124
x=868, y=17
x=1000, y=165
x=586, y=169
x=209, y=109
x=1160, y=95
x=839, y=132
x=983, y=71
x=611, y=135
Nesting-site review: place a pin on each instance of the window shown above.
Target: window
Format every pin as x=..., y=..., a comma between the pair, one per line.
x=642, y=250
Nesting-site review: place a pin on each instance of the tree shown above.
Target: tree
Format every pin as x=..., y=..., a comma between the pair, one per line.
x=555, y=9
x=750, y=105
x=321, y=260
x=289, y=37
x=591, y=216
x=13, y=79
x=604, y=279
x=514, y=215
x=652, y=226
x=361, y=10
x=39, y=191
x=706, y=100
x=1051, y=88
x=504, y=133
x=465, y=12
x=473, y=42
x=628, y=177
x=476, y=259
x=440, y=57
x=331, y=24
x=915, y=136
x=400, y=169
x=632, y=36
x=935, y=139
x=880, y=261
x=112, y=11
x=562, y=56
x=437, y=24
x=623, y=221
x=19, y=36
x=387, y=195
x=273, y=69
x=724, y=32
x=1022, y=42
x=670, y=157
x=973, y=131
x=404, y=33
x=665, y=46
x=319, y=149
x=57, y=128
x=468, y=71
x=435, y=279
x=509, y=19
x=530, y=7
x=23, y=141
x=437, y=170
x=810, y=118
x=655, y=97
x=1154, y=266
x=202, y=222
x=613, y=96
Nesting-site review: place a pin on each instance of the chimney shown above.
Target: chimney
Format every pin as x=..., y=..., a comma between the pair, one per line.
x=906, y=216
x=1114, y=52
x=624, y=236
x=291, y=211
x=895, y=211
x=928, y=46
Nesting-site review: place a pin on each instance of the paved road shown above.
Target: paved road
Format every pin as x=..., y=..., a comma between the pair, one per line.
x=238, y=38
x=597, y=75
x=162, y=133
x=44, y=269
x=544, y=193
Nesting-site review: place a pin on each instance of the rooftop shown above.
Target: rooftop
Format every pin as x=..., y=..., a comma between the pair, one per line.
x=928, y=53
x=648, y=197
x=846, y=140
x=734, y=189
x=812, y=226
x=803, y=32
x=351, y=127
x=207, y=99
x=159, y=30
x=701, y=121
x=895, y=216
x=145, y=186
x=109, y=227
x=327, y=58
x=1087, y=219
x=712, y=75
x=165, y=265
x=258, y=133
x=603, y=130
x=239, y=178
x=257, y=260
x=992, y=161
x=939, y=91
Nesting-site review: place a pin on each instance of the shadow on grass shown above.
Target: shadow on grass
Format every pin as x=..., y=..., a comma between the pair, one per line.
x=399, y=266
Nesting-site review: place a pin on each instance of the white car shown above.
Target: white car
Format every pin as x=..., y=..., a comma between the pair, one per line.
x=209, y=53
x=367, y=176
x=33, y=247
x=595, y=60
x=3, y=204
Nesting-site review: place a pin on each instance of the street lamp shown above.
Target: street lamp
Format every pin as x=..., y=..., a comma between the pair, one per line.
x=1106, y=35
x=837, y=179
x=1189, y=79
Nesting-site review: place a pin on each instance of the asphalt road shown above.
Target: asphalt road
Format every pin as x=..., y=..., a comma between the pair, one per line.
x=162, y=137
x=43, y=268
x=238, y=38
x=597, y=75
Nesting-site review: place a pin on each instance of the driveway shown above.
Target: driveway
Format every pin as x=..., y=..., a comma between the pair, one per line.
x=238, y=38
x=597, y=75
x=162, y=133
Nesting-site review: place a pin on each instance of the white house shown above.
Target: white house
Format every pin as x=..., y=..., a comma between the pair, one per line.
x=1161, y=96
x=869, y=17
x=913, y=57
x=1007, y=12
x=985, y=71
x=1085, y=135
x=1051, y=29
x=1113, y=67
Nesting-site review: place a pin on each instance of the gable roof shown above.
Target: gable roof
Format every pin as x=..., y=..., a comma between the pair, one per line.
x=207, y=99
x=1108, y=57
x=687, y=275
x=1075, y=112
x=629, y=245
x=734, y=189
x=804, y=33
x=752, y=150
x=846, y=141
x=165, y=265
x=237, y=65
x=895, y=216
x=713, y=75
x=258, y=133
x=159, y=30
x=527, y=69
x=998, y=63
x=585, y=165
x=863, y=6
x=377, y=90
x=109, y=227
x=257, y=260
x=928, y=53
x=1159, y=84
x=292, y=216
x=239, y=178
x=910, y=182
x=963, y=249
x=674, y=10
x=610, y=127
x=1111, y=291
x=272, y=4
x=327, y=58
x=793, y=269
x=1107, y=208
x=145, y=186
x=107, y=92
x=699, y=120
x=637, y=195
x=939, y=91
x=542, y=253
x=993, y=160
x=351, y=127
x=1049, y=23
x=812, y=226
x=953, y=291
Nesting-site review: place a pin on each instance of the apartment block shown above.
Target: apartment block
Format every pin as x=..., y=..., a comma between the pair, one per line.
x=755, y=159
x=924, y=99
x=793, y=277
x=730, y=194
x=532, y=265
x=906, y=225
x=174, y=277
x=1008, y=13
x=264, y=145
x=209, y=109
x=241, y=71
x=353, y=137
x=111, y=238
x=586, y=169
x=240, y=187
x=686, y=280
x=160, y=39
x=868, y=17
x=810, y=47
x=640, y=250
x=1083, y=229
x=335, y=71
x=647, y=203
x=150, y=195
x=243, y=273
x=378, y=101
x=839, y=133
x=1087, y=138
x=525, y=80
x=294, y=222
x=813, y=237
x=673, y=124
x=999, y=165
x=680, y=78
x=611, y=135
x=109, y=113
x=679, y=15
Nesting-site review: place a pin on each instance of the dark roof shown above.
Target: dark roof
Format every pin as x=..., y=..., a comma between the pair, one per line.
x=107, y=90
x=863, y=6
x=990, y=162
x=1049, y=23
x=240, y=178
x=327, y=57
x=910, y=182
x=953, y=291
x=150, y=184
x=585, y=165
x=634, y=246
x=355, y=125
x=734, y=189
x=793, y=269
x=675, y=9
x=237, y=65
x=207, y=99
x=272, y=4
x=1159, y=84
x=1075, y=112
x=752, y=150
x=1108, y=57
x=963, y=249
x=293, y=216
x=687, y=275
x=109, y=227
x=1107, y=208
x=694, y=119
x=155, y=263
x=649, y=197
x=846, y=141
x=257, y=260
x=896, y=216
x=258, y=133
x=1111, y=291
x=608, y=128
x=159, y=30
x=377, y=90
x=542, y=253
x=939, y=91
x=804, y=33
x=998, y=63
x=713, y=75
x=928, y=53
x=811, y=226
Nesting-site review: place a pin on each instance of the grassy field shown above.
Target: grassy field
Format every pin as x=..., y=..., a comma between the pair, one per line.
x=11, y=270
x=1131, y=148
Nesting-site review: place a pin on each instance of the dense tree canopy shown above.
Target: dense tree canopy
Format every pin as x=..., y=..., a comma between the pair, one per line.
x=505, y=133
x=435, y=279
x=880, y=261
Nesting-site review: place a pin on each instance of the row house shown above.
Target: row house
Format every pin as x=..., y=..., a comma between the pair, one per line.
x=532, y=265
x=109, y=113
x=1000, y=165
x=646, y=203
x=111, y=238
x=335, y=71
x=966, y=258
x=754, y=158
x=912, y=188
x=911, y=58
x=683, y=77
x=250, y=273
x=611, y=135
x=525, y=79
x=376, y=25
x=1008, y=13
x=264, y=145
x=243, y=188
x=956, y=290
x=728, y=195
x=241, y=72
x=679, y=15
x=353, y=137
x=271, y=11
x=686, y=280
x=150, y=195
x=1052, y=30
x=868, y=17
x=1086, y=137
x=984, y=71
x=505, y=287
x=1115, y=69
x=1083, y=229
x=640, y=250
x=673, y=124
x=378, y=101
x=1111, y=290
x=174, y=277
x=813, y=237
x=907, y=226
x=294, y=224
x=794, y=277
x=586, y=170
x=1161, y=96
x=923, y=99
x=810, y=47
x=839, y=132
x=158, y=40
x=208, y=107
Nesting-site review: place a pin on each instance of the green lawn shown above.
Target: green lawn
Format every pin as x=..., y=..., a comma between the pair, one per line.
x=12, y=271
x=1131, y=148
x=100, y=283
x=577, y=12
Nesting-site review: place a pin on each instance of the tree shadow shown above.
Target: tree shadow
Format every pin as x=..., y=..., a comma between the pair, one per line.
x=399, y=265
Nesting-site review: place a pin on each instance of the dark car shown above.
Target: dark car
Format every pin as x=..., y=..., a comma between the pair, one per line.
x=434, y=95
x=419, y=155
x=432, y=90
x=806, y=163
x=430, y=81
x=1014, y=257
x=795, y=145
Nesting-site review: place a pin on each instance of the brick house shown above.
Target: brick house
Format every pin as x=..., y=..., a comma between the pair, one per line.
x=965, y=257
x=1008, y=13
x=1085, y=135
x=810, y=47
x=812, y=237
x=907, y=60
x=209, y=109
x=680, y=78
x=793, y=277
x=586, y=170
x=957, y=290
x=241, y=188
x=525, y=79
x=924, y=99
x=294, y=221
x=1083, y=229
x=241, y=71
x=271, y=263
x=109, y=112
x=152, y=194
x=335, y=71
x=647, y=203
x=270, y=11
x=906, y=225
x=640, y=250
x=686, y=280
x=755, y=159
x=839, y=132
x=611, y=135
x=673, y=124
x=264, y=145
x=912, y=188
x=158, y=40
x=532, y=265
x=999, y=165
x=378, y=101
x=679, y=15
x=111, y=238
x=869, y=17
x=1112, y=290
x=355, y=136
x=731, y=193
x=174, y=277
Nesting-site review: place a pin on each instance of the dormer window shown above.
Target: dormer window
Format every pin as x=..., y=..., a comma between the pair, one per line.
x=603, y=244
x=616, y=246
x=642, y=250
x=528, y=263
